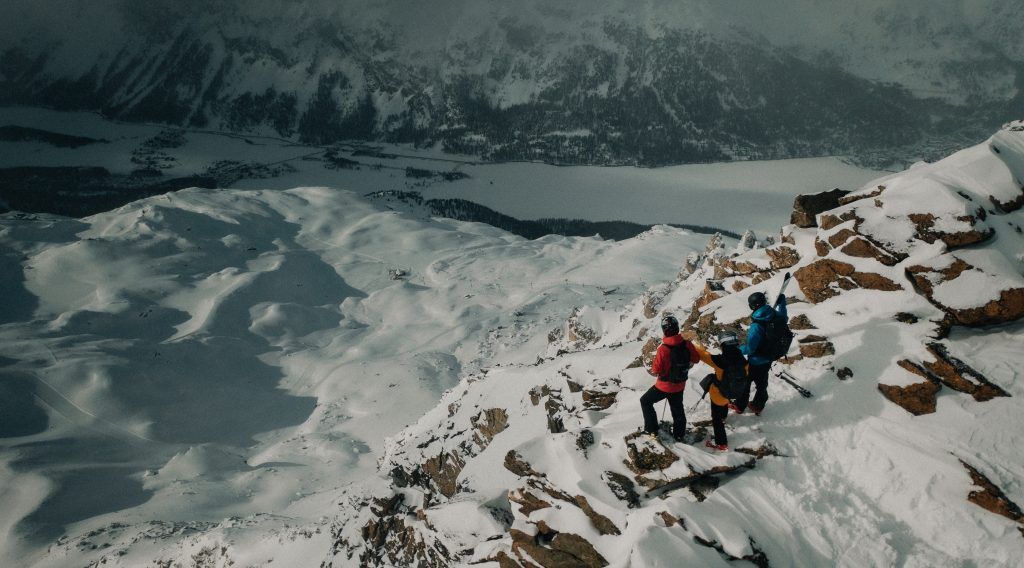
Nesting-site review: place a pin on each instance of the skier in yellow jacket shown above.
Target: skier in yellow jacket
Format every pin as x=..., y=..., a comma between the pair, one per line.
x=731, y=376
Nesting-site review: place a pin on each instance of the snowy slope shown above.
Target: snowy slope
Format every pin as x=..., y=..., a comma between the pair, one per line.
x=222, y=353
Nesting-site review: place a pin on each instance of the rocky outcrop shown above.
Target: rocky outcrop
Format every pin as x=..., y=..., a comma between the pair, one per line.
x=647, y=455
x=847, y=199
x=390, y=540
x=578, y=333
x=807, y=207
x=917, y=399
x=515, y=463
x=444, y=471
x=561, y=549
x=925, y=224
x=990, y=497
x=623, y=488
x=927, y=279
x=815, y=346
x=600, y=397
x=782, y=257
x=960, y=376
x=800, y=322
x=828, y=221
x=823, y=279
x=488, y=424
x=864, y=247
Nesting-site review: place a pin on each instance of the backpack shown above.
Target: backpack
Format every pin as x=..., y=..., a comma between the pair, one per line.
x=678, y=363
x=734, y=375
x=777, y=338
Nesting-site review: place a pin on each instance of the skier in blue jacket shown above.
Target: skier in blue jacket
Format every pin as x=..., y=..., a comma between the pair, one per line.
x=760, y=366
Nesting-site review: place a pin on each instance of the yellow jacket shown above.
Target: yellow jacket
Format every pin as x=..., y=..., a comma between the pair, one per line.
x=716, y=397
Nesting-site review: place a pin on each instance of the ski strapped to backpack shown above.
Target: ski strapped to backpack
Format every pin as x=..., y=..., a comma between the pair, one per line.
x=777, y=336
x=679, y=363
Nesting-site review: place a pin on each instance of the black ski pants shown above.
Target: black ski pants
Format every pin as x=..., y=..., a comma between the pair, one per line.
x=718, y=414
x=759, y=377
x=675, y=404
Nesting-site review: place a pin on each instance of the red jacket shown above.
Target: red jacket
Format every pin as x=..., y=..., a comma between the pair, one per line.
x=661, y=363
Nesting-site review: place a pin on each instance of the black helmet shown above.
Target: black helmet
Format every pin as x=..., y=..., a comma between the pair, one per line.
x=669, y=325
x=756, y=300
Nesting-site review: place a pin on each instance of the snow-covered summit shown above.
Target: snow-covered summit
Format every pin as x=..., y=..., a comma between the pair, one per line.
x=362, y=387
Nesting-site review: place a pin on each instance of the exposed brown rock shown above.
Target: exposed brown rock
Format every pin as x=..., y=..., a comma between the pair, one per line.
x=807, y=207
x=991, y=497
x=646, y=455
x=623, y=488
x=566, y=550
x=739, y=286
x=555, y=409
x=817, y=349
x=528, y=501
x=847, y=199
x=818, y=280
x=801, y=322
x=444, y=470
x=577, y=332
x=649, y=350
x=740, y=267
x=584, y=440
x=488, y=424
x=918, y=370
x=711, y=293
x=651, y=300
x=917, y=399
x=1008, y=206
x=603, y=524
x=598, y=399
x=821, y=247
x=504, y=561
x=782, y=257
x=925, y=225
x=761, y=277
x=389, y=541
x=840, y=237
x=515, y=463
x=1008, y=307
x=960, y=376
x=812, y=339
x=828, y=221
x=862, y=247
x=904, y=317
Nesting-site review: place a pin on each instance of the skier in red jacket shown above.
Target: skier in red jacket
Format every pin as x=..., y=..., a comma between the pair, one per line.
x=671, y=370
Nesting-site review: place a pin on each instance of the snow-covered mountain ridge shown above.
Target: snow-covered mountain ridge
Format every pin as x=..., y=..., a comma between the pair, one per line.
x=658, y=83
x=909, y=291
x=242, y=356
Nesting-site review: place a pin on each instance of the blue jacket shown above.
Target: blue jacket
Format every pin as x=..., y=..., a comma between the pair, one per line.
x=756, y=332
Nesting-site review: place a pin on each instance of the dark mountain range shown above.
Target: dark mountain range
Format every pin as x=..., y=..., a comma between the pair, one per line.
x=658, y=84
